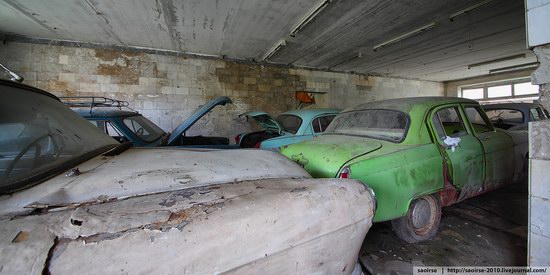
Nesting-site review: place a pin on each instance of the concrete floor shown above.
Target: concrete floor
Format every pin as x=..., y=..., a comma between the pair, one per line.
x=487, y=230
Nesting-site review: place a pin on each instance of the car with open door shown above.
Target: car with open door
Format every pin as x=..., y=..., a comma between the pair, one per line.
x=287, y=128
x=418, y=155
x=74, y=200
x=117, y=119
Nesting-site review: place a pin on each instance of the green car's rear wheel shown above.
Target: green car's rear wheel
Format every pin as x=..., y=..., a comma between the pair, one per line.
x=421, y=222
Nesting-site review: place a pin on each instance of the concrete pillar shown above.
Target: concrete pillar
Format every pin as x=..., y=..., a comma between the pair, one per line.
x=538, y=38
x=539, y=180
x=541, y=76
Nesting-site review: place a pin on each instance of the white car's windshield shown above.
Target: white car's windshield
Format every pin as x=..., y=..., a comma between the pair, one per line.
x=379, y=124
x=38, y=135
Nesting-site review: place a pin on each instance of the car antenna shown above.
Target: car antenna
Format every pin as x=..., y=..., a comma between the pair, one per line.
x=14, y=77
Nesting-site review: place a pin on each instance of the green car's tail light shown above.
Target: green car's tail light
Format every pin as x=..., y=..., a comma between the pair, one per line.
x=237, y=139
x=345, y=173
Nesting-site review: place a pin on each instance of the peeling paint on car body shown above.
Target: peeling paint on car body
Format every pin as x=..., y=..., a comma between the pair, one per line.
x=419, y=164
x=186, y=238
x=142, y=171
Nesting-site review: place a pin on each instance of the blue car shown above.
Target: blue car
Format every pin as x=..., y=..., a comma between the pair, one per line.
x=515, y=116
x=288, y=128
x=124, y=124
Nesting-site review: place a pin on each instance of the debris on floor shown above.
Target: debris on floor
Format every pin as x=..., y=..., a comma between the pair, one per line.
x=488, y=230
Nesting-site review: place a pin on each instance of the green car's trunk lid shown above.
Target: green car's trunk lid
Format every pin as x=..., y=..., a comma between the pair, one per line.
x=323, y=156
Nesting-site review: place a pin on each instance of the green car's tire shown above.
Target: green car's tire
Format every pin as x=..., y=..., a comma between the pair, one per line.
x=421, y=222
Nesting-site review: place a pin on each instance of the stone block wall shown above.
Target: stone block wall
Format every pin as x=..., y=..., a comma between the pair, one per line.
x=166, y=88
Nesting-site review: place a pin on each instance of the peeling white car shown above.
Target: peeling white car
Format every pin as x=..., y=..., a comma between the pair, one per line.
x=76, y=201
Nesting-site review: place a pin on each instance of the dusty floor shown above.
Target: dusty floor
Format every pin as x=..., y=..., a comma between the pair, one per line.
x=487, y=230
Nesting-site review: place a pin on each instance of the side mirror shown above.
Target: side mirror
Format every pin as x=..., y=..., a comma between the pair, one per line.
x=14, y=77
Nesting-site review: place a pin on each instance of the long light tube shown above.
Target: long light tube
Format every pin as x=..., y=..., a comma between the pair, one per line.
x=403, y=36
x=468, y=9
x=273, y=50
x=497, y=60
x=515, y=67
x=358, y=55
x=309, y=16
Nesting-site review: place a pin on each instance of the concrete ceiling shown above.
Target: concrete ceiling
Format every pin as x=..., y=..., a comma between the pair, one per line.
x=247, y=29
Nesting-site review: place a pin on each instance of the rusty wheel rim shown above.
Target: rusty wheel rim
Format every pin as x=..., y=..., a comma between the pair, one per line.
x=423, y=215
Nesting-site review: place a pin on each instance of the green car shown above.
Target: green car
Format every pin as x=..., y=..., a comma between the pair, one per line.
x=418, y=155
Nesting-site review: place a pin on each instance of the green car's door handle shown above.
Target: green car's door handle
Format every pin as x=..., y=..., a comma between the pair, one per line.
x=484, y=138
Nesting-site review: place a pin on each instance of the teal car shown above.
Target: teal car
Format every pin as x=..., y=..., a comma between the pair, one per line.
x=117, y=119
x=418, y=155
x=288, y=128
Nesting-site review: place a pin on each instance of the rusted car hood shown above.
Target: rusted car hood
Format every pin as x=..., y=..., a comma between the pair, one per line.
x=146, y=171
x=323, y=156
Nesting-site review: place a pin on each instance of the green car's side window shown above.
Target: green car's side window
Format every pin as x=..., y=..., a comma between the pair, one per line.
x=438, y=127
x=477, y=119
x=447, y=122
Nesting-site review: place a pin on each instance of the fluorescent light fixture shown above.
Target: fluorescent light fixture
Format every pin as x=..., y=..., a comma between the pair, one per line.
x=273, y=50
x=497, y=60
x=309, y=16
x=515, y=67
x=403, y=36
x=358, y=55
x=468, y=9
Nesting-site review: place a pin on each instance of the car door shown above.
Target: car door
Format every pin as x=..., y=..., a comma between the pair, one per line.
x=108, y=128
x=460, y=148
x=498, y=148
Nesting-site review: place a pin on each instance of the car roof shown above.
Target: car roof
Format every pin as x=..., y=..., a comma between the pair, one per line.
x=99, y=112
x=510, y=105
x=312, y=112
x=27, y=87
x=407, y=104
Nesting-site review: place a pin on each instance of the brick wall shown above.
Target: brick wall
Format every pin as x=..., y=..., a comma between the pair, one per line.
x=167, y=88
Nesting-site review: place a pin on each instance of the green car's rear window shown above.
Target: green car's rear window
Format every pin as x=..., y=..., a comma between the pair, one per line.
x=379, y=124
